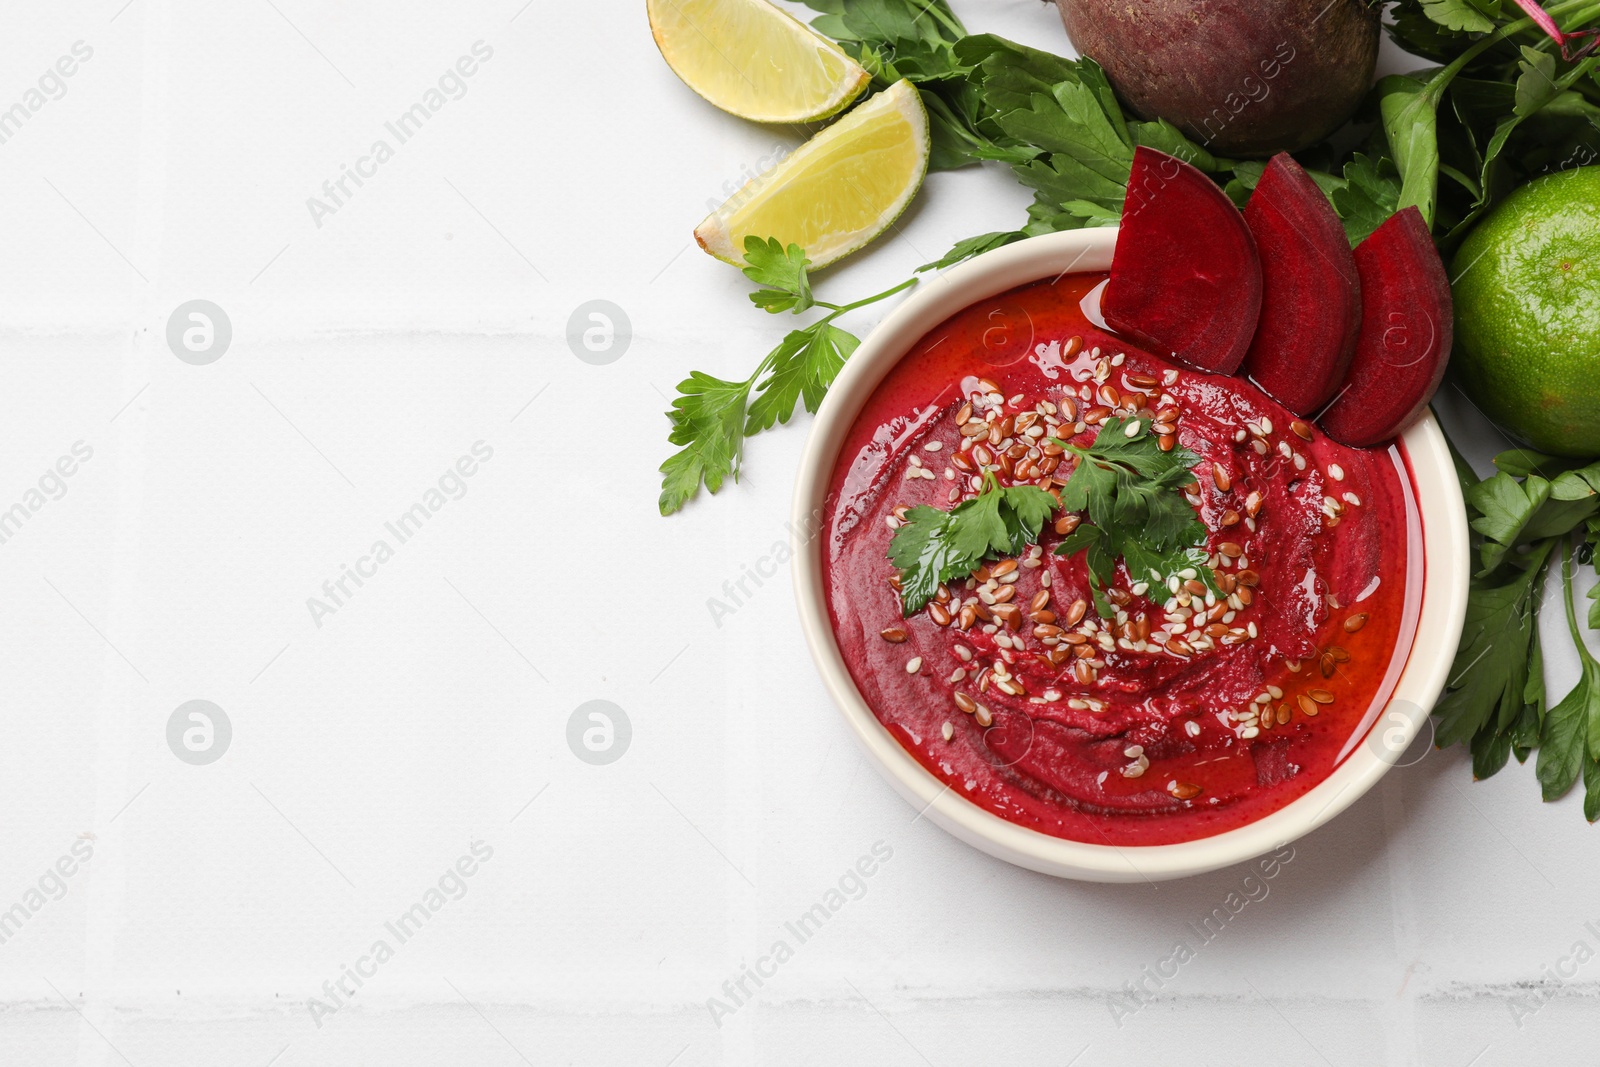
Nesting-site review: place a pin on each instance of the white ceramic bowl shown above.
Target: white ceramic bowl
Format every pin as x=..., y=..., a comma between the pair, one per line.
x=1444, y=597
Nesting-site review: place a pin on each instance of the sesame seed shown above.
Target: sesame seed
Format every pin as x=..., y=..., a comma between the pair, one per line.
x=948, y=731
x=1133, y=428
x=1336, y=472
x=933, y=446
x=914, y=665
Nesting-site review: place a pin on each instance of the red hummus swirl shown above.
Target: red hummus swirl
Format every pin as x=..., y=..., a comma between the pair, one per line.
x=1162, y=723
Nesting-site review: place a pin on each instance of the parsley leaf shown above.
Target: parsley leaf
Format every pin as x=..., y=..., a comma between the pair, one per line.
x=1128, y=487
x=1488, y=684
x=711, y=416
x=1459, y=15
x=1512, y=512
x=1370, y=194
x=973, y=246
x=1570, y=741
x=708, y=419
x=1495, y=698
x=932, y=546
x=802, y=367
x=782, y=272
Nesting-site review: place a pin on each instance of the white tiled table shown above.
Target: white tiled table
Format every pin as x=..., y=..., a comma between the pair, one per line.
x=428, y=314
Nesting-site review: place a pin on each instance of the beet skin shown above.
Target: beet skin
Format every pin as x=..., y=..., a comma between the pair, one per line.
x=1241, y=77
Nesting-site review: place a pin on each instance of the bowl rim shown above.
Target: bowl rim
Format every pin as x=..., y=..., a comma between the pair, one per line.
x=1445, y=554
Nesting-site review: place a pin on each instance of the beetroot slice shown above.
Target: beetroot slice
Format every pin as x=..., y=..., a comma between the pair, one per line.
x=1406, y=324
x=1185, y=278
x=1311, y=294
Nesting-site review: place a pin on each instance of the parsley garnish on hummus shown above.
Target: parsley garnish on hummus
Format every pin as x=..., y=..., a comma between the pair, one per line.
x=934, y=546
x=1129, y=489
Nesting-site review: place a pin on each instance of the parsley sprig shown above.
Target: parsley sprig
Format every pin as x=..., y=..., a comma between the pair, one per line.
x=1130, y=491
x=1495, y=701
x=933, y=546
x=711, y=416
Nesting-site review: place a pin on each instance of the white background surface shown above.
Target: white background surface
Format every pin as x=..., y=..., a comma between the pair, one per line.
x=369, y=353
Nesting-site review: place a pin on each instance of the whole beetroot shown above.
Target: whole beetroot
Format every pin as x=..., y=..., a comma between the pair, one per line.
x=1241, y=77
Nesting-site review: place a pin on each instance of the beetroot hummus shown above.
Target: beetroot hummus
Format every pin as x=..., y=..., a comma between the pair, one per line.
x=1166, y=721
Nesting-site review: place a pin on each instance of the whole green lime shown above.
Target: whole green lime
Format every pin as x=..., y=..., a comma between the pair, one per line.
x=1527, y=313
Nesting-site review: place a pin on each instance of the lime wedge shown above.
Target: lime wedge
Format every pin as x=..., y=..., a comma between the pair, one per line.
x=837, y=191
x=753, y=60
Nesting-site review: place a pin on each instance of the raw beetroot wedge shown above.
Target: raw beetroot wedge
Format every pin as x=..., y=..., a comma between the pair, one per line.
x=1311, y=293
x=1185, y=278
x=1406, y=321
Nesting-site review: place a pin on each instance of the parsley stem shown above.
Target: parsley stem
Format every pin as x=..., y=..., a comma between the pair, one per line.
x=840, y=309
x=1572, y=616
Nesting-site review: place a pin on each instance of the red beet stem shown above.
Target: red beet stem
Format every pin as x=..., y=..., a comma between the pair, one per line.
x=1542, y=19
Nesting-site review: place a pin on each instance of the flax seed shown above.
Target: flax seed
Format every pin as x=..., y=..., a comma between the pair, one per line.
x=1307, y=705
x=1224, y=482
x=1355, y=622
